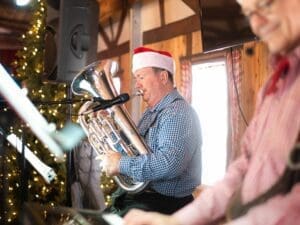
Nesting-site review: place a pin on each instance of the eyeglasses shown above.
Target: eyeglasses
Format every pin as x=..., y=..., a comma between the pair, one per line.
x=262, y=7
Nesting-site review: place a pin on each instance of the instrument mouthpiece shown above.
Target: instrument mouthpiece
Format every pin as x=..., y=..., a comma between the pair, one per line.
x=139, y=93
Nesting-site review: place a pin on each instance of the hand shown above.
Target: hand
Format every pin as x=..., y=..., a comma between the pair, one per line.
x=139, y=217
x=110, y=162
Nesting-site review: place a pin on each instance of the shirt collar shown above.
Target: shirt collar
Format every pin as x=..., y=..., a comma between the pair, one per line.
x=293, y=57
x=169, y=98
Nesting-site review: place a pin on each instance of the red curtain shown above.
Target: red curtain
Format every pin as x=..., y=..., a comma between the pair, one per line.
x=237, y=126
x=185, y=87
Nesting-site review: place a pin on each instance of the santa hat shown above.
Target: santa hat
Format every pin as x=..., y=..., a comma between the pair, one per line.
x=146, y=57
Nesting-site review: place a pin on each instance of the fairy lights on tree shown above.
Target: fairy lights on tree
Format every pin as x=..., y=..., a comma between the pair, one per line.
x=29, y=69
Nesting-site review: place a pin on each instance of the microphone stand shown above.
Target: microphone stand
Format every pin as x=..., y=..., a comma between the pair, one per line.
x=24, y=172
x=64, y=101
x=3, y=181
x=22, y=164
x=69, y=155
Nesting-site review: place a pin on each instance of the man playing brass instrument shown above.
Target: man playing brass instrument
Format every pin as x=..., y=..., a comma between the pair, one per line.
x=171, y=129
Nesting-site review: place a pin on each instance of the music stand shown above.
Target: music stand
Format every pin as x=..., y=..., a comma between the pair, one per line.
x=36, y=214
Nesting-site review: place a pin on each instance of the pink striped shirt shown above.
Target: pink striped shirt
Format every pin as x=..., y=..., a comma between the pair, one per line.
x=265, y=148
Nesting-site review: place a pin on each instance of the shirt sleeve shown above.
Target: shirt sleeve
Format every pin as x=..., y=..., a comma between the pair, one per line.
x=174, y=146
x=210, y=205
x=281, y=209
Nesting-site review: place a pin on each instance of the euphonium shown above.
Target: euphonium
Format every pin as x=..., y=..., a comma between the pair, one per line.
x=111, y=128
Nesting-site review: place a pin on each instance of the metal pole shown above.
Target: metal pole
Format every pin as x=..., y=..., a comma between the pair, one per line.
x=69, y=153
x=3, y=181
x=24, y=172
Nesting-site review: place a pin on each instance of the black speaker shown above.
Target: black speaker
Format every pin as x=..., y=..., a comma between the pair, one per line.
x=71, y=39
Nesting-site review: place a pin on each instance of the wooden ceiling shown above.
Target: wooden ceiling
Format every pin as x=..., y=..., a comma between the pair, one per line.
x=14, y=21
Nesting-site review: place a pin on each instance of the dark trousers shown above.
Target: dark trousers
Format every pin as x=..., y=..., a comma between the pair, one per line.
x=147, y=200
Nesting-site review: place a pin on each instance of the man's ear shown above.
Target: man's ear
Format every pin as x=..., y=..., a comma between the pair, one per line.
x=164, y=76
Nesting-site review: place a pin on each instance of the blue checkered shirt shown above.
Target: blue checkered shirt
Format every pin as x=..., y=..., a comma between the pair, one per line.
x=172, y=131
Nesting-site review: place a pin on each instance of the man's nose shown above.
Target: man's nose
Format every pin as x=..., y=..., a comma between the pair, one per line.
x=256, y=21
x=137, y=84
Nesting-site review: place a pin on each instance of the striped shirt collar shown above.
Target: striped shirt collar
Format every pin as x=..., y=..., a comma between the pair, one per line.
x=170, y=97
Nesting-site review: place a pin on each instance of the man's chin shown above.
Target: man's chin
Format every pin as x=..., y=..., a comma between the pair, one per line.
x=278, y=48
x=145, y=100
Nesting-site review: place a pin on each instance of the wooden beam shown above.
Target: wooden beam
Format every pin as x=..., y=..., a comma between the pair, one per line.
x=162, y=12
x=15, y=14
x=14, y=20
x=108, y=8
x=112, y=9
x=136, y=40
x=13, y=23
x=181, y=27
x=13, y=26
x=10, y=42
x=193, y=4
x=114, y=52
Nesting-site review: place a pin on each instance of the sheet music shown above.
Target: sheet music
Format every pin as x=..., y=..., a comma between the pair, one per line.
x=46, y=172
x=113, y=219
x=55, y=141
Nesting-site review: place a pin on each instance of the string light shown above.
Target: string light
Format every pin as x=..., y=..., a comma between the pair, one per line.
x=29, y=67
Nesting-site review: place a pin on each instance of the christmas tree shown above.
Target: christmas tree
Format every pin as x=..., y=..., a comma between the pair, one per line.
x=47, y=97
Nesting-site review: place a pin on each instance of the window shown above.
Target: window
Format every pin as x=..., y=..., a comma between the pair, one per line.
x=210, y=100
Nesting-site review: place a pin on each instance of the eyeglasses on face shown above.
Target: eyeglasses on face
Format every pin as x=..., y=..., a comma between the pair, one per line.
x=261, y=7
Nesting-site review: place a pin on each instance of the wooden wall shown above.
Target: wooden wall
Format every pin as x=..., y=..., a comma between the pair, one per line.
x=256, y=71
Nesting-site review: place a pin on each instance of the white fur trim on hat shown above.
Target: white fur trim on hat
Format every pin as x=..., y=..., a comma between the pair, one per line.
x=152, y=59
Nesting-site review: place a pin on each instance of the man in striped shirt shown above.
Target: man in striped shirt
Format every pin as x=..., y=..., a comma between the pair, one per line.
x=171, y=129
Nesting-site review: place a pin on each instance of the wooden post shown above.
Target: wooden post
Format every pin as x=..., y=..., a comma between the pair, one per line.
x=135, y=40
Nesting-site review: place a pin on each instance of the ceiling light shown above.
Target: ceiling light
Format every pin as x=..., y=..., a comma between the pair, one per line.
x=22, y=2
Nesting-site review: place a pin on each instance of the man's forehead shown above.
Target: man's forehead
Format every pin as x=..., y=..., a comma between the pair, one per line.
x=240, y=1
x=243, y=2
x=143, y=71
